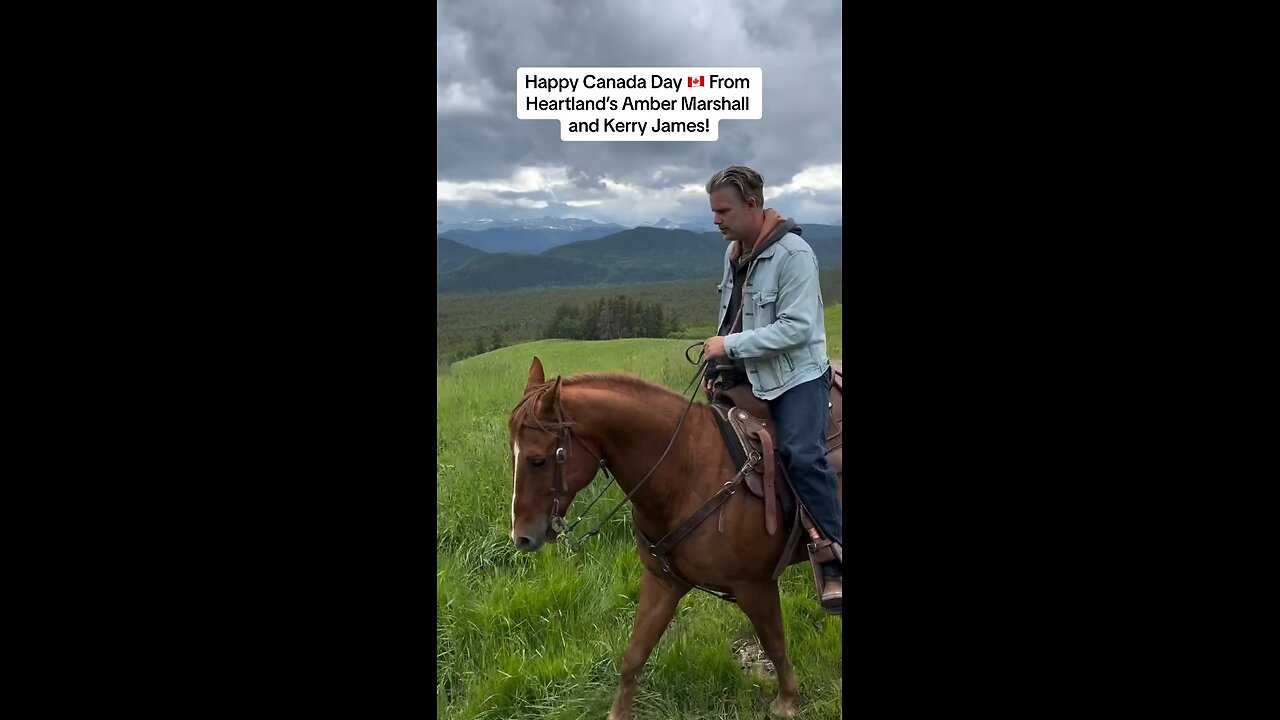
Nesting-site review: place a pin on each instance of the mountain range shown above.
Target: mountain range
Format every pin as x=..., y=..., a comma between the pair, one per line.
x=451, y=255
x=532, y=236
x=567, y=224
x=642, y=254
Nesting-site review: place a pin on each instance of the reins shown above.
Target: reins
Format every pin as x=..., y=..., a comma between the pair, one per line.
x=701, y=363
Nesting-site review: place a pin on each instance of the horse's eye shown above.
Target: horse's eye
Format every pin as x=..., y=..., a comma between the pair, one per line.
x=538, y=462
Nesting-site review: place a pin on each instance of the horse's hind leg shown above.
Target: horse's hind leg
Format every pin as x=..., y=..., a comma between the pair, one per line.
x=761, y=604
x=659, y=597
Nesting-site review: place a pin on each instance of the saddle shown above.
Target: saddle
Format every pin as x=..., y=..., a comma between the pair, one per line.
x=746, y=425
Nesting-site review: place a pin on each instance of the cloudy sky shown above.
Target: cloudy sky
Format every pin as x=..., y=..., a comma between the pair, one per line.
x=492, y=165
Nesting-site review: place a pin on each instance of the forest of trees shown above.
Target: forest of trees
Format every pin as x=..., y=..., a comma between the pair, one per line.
x=471, y=325
x=611, y=318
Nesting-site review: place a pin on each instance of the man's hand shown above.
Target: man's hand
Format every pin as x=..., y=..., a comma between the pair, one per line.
x=713, y=348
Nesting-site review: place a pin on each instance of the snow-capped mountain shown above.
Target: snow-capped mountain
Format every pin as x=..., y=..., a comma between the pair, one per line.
x=542, y=223
x=665, y=224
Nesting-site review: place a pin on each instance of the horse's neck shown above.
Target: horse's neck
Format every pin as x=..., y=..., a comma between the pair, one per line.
x=633, y=435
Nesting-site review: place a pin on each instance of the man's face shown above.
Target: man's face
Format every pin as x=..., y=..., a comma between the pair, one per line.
x=732, y=215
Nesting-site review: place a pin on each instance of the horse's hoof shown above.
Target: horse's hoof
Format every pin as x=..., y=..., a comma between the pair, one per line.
x=782, y=709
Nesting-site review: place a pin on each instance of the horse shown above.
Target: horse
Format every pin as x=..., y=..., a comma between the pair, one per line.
x=671, y=455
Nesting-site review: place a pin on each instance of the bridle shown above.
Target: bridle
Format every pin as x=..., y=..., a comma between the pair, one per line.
x=563, y=429
x=564, y=432
x=565, y=436
x=558, y=526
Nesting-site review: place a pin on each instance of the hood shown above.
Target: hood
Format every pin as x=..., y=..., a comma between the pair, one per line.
x=775, y=226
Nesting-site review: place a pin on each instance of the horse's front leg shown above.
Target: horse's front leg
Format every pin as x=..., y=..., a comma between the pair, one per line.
x=659, y=597
x=762, y=606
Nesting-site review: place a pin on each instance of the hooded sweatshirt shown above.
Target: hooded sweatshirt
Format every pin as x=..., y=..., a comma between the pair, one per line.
x=774, y=228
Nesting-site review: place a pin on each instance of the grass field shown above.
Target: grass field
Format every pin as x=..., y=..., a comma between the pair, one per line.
x=541, y=636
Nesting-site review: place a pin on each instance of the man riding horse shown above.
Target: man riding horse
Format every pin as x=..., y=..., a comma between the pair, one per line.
x=771, y=334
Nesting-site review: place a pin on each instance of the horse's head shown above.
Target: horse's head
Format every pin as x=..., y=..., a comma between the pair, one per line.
x=549, y=461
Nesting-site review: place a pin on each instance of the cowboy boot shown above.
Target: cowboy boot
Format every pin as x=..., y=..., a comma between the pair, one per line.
x=832, y=595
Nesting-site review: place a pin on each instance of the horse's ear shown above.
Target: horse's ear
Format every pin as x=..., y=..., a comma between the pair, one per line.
x=550, y=402
x=536, y=377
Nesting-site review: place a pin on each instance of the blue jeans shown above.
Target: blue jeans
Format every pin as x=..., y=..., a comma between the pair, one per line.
x=800, y=419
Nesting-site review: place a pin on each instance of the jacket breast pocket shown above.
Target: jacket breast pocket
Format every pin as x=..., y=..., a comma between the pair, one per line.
x=766, y=306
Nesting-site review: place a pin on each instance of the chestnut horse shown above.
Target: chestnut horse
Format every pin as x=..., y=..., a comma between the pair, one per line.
x=564, y=431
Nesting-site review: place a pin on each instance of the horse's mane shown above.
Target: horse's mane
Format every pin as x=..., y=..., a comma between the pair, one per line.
x=620, y=381
x=524, y=413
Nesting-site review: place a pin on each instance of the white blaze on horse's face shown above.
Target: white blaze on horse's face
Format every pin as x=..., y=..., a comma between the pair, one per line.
x=533, y=480
x=515, y=473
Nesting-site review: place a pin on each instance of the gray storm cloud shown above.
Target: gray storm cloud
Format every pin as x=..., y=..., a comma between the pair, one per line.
x=491, y=164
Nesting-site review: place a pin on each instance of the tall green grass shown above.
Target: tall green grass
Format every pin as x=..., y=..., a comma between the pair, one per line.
x=541, y=635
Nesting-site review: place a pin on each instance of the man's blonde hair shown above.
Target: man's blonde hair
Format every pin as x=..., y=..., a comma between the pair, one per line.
x=746, y=181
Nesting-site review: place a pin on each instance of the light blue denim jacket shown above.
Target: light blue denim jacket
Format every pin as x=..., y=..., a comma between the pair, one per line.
x=783, y=341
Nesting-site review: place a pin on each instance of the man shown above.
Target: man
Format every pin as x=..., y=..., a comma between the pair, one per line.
x=772, y=331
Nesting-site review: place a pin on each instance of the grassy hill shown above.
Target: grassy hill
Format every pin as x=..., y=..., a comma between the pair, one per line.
x=541, y=636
